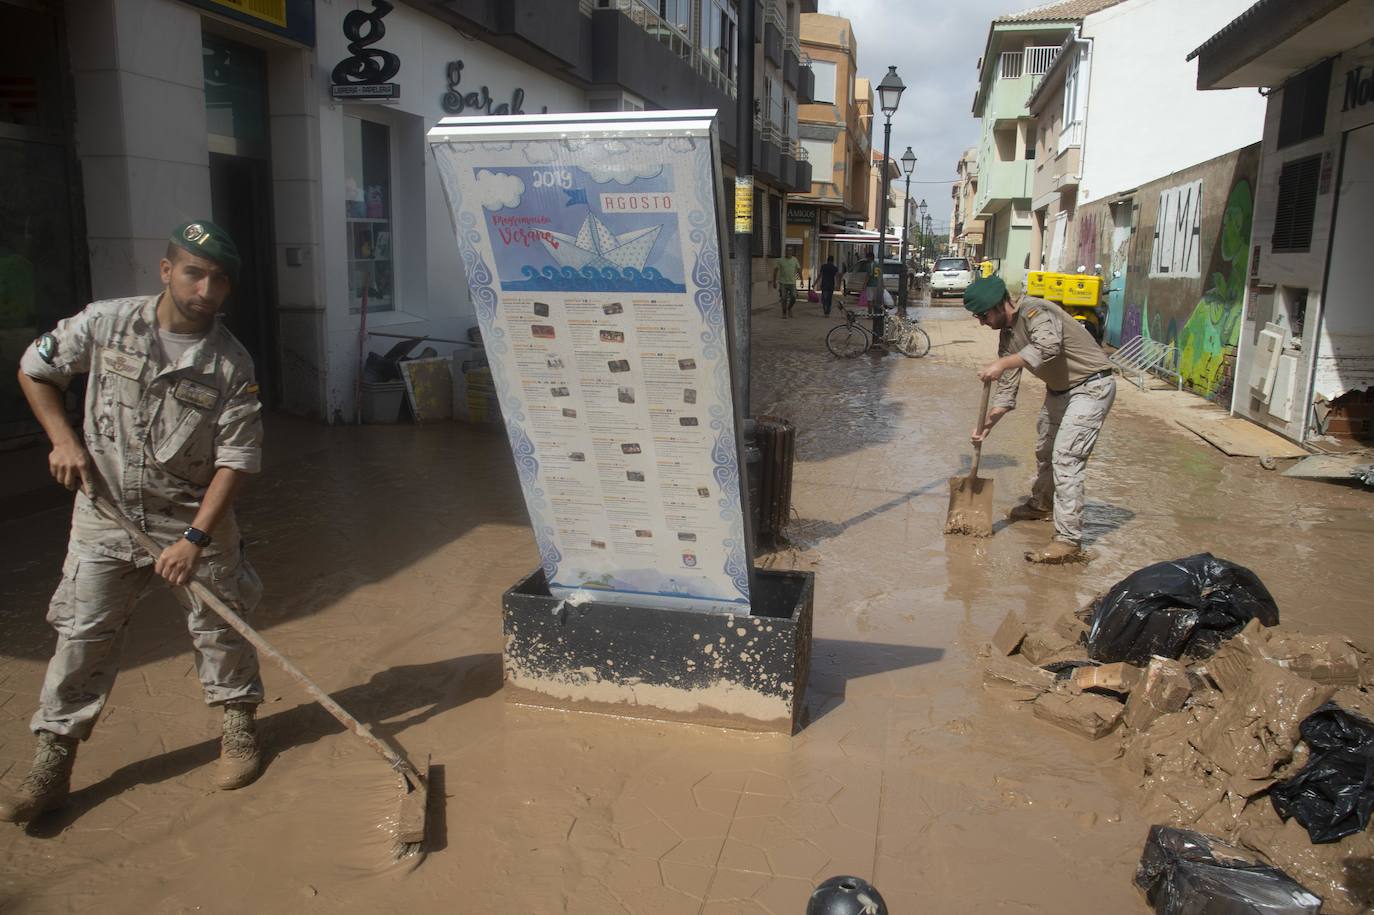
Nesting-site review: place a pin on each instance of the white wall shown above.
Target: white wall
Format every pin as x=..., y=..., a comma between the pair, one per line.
x=1146, y=117
x=432, y=293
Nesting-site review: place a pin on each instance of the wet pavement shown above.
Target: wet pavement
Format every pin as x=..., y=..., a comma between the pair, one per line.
x=385, y=551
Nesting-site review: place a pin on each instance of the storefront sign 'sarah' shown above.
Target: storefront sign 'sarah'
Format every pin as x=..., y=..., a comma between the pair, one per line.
x=480, y=101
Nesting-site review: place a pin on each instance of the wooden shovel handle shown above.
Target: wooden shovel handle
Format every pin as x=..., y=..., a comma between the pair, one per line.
x=982, y=418
x=212, y=600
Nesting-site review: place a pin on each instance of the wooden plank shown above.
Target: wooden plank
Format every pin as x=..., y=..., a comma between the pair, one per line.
x=1329, y=466
x=1242, y=438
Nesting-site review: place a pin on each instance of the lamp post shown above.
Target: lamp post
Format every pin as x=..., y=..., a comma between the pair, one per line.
x=908, y=166
x=889, y=95
x=925, y=236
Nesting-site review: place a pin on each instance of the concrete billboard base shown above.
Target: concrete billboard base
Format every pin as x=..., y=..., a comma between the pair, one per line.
x=736, y=671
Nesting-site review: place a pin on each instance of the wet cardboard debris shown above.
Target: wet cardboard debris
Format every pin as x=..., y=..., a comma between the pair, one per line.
x=1119, y=677
x=1087, y=714
x=1017, y=677
x=1007, y=639
x=1163, y=688
x=1255, y=731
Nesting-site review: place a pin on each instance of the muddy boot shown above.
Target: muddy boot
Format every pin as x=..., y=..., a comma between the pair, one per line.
x=239, y=756
x=1029, y=511
x=1058, y=551
x=45, y=787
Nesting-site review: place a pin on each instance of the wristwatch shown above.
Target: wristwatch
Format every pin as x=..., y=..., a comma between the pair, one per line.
x=197, y=537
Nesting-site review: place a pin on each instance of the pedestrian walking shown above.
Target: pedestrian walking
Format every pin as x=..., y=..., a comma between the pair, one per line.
x=172, y=423
x=828, y=273
x=786, y=269
x=1038, y=335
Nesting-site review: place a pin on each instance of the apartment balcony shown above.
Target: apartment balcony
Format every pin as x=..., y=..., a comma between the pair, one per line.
x=623, y=35
x=1016, y=76
x=1059, y=168
x=1001, y=183
x=791, y=60
x=806, y=82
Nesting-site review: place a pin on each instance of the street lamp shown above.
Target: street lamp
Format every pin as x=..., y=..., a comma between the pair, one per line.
x=889, y=95
x=908, y=166
x=925, y=238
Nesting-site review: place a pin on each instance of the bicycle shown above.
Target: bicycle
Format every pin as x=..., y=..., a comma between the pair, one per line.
x=849, y=339
x=902, y=333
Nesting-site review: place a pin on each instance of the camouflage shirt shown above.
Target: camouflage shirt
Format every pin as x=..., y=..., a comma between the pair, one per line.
x=156, y=431
x=1056, y=348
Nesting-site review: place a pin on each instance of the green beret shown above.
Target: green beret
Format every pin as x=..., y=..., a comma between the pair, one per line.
x=984, y=294
x=205, y=239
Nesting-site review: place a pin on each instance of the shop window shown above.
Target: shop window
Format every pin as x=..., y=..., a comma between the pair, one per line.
x=1302, y=112
x=1297, y=204
x=369, y=214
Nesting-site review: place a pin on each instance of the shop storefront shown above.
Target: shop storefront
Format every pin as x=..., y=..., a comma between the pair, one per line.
x=1305, y=365
x=384, y=228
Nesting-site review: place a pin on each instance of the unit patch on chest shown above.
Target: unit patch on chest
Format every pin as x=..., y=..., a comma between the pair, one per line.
x=195, y=394
x=124, y=364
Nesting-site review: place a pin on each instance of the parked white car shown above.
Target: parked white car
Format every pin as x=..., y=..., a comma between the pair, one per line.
x=952, y=275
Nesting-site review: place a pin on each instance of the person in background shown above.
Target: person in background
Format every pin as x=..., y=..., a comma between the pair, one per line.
x=785, y=272
x=828, y=272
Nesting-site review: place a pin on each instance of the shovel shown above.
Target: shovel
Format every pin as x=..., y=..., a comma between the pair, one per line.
x=409, y=826
x=970, y=498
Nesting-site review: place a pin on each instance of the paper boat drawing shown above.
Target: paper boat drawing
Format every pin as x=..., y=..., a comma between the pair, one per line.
x=599, y=247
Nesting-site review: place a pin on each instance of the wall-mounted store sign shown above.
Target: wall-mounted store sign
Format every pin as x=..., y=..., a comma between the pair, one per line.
x=803, y=216
x=292, y=19
x=1355, y=92
x=364, y=74
x=478, y=101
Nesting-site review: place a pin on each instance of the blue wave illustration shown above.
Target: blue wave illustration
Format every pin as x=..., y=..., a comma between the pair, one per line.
x=592, y=279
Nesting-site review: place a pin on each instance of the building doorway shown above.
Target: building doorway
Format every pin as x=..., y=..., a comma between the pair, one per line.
x=241, y=194
x=43, y=266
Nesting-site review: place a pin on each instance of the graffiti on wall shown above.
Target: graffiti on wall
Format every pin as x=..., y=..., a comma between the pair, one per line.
x=1178, y=232
x=1214, y=326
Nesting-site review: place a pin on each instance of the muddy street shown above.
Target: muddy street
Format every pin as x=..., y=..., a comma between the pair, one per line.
x=384, y=552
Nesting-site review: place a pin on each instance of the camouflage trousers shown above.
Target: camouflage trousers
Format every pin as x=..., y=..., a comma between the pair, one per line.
x=1068, y=428
x=91, y=610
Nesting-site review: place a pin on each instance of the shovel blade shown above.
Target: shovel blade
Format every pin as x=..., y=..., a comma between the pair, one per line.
x=970, y=507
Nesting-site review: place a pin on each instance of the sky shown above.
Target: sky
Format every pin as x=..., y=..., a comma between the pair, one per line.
x=935, y=47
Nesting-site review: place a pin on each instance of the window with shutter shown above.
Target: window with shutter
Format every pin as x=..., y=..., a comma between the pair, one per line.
x=1302, y=114
x=1297, y=204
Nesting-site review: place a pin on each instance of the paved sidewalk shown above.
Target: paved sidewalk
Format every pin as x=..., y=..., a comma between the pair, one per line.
x=385, y=550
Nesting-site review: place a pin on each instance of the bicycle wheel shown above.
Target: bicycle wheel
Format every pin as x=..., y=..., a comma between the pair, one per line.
x=846, y=340
x=915, y=342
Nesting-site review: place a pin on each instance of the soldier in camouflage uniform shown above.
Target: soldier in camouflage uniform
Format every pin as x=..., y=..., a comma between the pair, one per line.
x=172, y=424
x=1038, y=335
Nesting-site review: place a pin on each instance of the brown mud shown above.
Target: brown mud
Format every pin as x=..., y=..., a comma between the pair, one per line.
x=384, y=552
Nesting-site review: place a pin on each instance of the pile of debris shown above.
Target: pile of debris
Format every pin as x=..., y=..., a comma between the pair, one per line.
x=1240, y=733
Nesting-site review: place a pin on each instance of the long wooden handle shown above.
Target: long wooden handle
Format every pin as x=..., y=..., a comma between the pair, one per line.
x=214, y=602
x=982, y=418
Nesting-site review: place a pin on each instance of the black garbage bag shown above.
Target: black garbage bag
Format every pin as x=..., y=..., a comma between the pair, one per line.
x=1187, y=873
x=1333, y=795
x=1184, y=607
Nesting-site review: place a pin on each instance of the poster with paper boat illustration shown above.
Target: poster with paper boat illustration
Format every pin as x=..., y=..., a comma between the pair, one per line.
x=592, y=250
